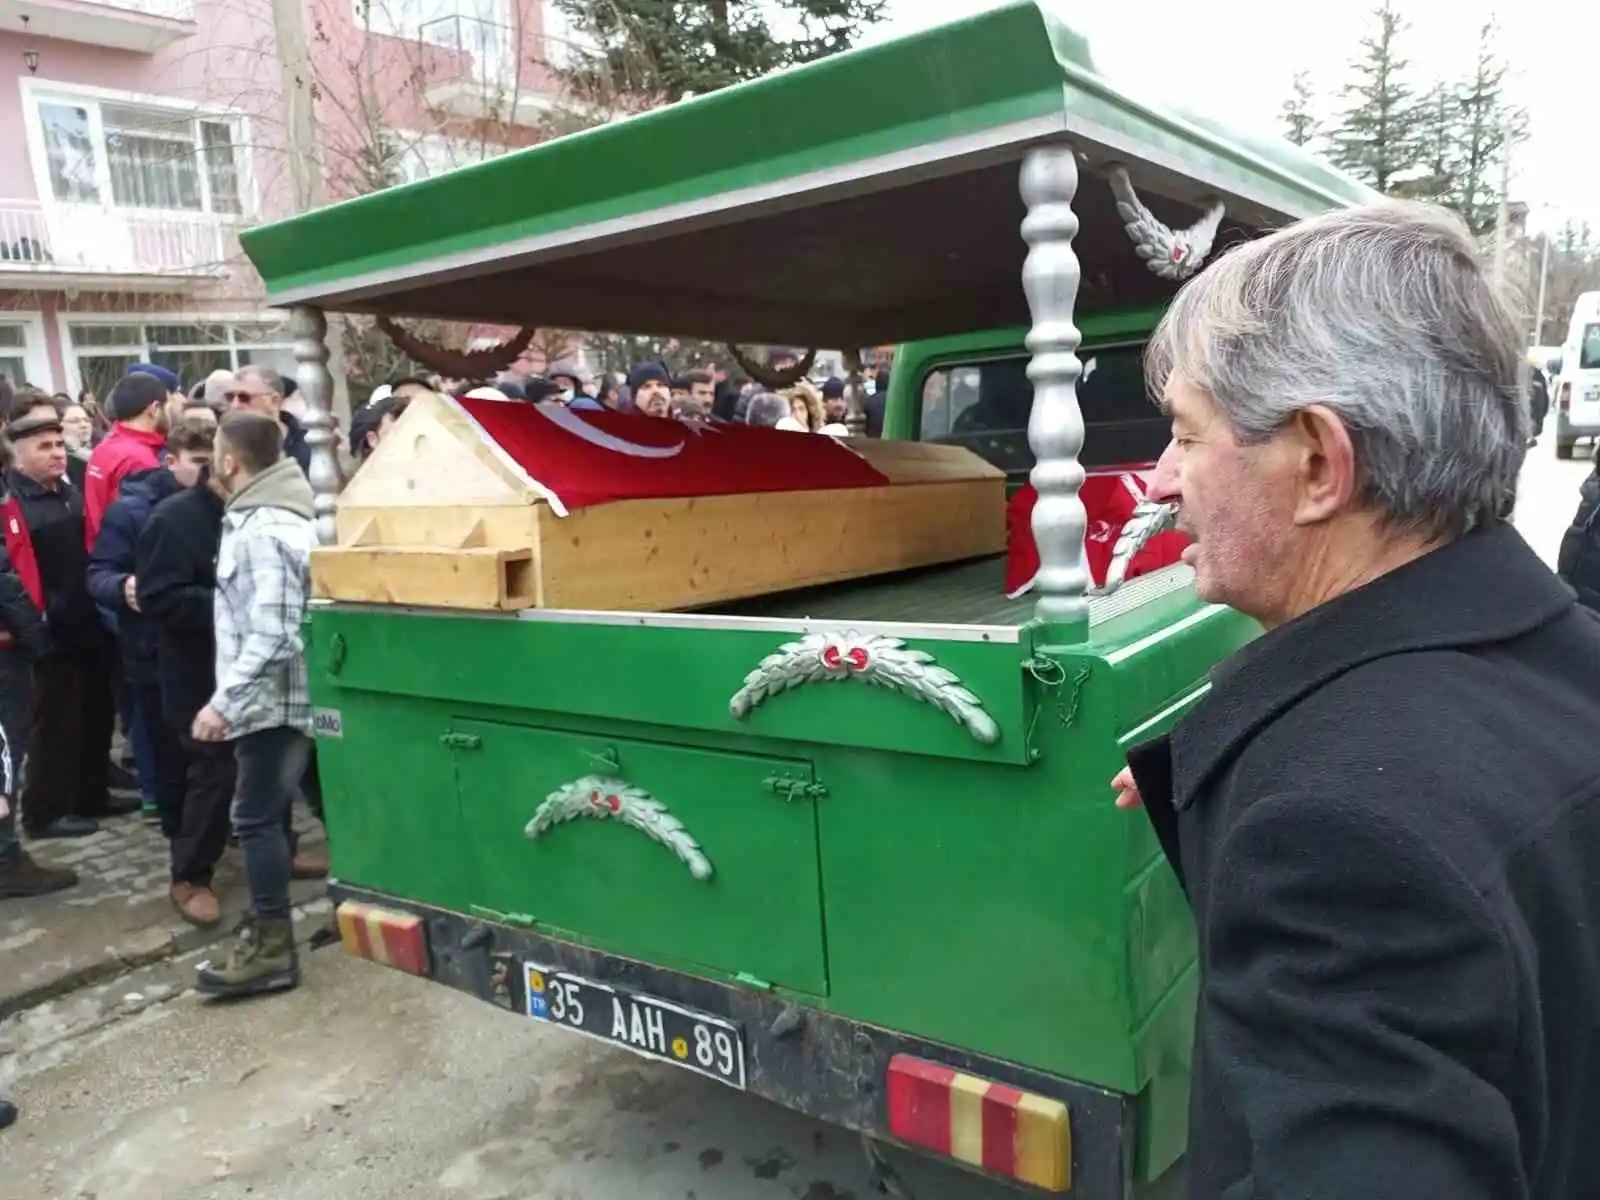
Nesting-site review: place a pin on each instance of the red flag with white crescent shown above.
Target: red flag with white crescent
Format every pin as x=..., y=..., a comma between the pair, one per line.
x=1109, y=496
x=585, y=457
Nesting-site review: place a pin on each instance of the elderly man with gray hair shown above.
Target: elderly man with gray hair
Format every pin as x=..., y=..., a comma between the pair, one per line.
x=260, y=389
x=1386, y=810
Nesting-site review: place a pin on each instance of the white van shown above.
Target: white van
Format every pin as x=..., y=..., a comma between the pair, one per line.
x=1577, y=388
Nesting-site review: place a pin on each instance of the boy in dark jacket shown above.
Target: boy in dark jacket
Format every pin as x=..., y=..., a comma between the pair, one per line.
x=112, y=585
x=175, y=578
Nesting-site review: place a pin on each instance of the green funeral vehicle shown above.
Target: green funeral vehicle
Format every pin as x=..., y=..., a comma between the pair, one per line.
x=903, y=902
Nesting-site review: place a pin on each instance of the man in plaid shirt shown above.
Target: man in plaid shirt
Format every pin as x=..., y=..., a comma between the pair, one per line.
x=261, y=704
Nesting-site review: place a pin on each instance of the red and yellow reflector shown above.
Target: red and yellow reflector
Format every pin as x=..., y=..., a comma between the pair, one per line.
x=390, y=939
x=1002, y=1130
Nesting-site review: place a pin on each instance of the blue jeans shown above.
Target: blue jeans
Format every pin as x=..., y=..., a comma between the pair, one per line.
x=271, y=762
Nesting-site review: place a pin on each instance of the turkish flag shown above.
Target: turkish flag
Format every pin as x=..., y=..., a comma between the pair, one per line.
x=1109, y=495
x=586, y=457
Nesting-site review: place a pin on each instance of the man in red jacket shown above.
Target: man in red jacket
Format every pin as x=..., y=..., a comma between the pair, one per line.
x=138, y=405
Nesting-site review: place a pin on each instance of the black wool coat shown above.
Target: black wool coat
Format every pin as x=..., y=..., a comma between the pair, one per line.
x=1386, y=815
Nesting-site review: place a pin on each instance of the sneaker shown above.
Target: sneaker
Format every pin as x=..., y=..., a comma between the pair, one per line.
x=196, y=904
x=25, y=876
x=67, y=827
x=262, y=960
x=150, y=811
x=311, y=863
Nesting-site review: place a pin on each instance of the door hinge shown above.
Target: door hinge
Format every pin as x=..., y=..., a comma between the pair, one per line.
x=461, y=741
x=792, y=789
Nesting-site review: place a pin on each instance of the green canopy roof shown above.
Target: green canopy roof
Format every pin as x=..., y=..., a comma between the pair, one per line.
x=866, y=198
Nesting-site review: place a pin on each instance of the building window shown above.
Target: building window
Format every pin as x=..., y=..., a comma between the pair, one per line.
x=14, y=353
x=104, y=349
x=138, y=157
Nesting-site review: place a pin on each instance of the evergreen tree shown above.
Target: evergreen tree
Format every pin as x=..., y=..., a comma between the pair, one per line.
x=1488, y=127
x=1438, y=146
x=661, y=50
x=1375, y=138
x=1299, y=125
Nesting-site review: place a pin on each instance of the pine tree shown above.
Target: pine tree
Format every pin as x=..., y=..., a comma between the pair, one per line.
x=661, y=50
x=1438, y=147
x=1299, y=125
x=1375, y=138
x=1488, y=128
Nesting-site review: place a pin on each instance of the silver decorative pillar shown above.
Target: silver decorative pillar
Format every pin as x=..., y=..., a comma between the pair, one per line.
x=1050, y=277
x=310, y=330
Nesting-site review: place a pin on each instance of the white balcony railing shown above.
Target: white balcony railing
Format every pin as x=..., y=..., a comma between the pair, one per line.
x=81, y=239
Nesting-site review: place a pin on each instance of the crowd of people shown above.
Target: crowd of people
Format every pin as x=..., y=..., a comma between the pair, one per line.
x=155, y=575
x=651, y=388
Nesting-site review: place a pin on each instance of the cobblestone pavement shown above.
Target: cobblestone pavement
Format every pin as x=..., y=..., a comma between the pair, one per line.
x=118, y=917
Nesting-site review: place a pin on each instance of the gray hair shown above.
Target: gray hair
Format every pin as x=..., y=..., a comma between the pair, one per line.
x=217, y=385
x=766, y=409
x=268, y=377
x=1384, y=315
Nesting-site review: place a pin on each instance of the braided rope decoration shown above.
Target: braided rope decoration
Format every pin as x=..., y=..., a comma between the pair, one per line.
x=882, y=661
x=1171, y=254
x=1149, y=518
x=599, y=797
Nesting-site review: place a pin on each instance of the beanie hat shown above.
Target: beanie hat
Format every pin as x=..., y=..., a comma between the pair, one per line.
x=833, y=388
x=135, y=392
x=646, y=372
x=169, y=379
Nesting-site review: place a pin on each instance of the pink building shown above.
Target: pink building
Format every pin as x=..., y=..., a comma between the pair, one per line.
x=138, y=136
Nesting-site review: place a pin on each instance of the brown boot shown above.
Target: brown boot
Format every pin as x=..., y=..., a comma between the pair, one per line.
x=24, y=876
x=311, y=863
x=196, y=905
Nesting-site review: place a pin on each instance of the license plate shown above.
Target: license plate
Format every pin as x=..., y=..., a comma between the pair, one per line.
x=657, y=1029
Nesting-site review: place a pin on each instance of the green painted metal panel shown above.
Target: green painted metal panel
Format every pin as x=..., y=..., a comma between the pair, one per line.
x=672, y=677
x=982, y=73
x=389, y=799
x=1005, y=908
x=758, y=910
x=913, y=361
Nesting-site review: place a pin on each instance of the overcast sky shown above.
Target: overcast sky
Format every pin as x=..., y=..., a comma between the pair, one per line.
x=1235, y=59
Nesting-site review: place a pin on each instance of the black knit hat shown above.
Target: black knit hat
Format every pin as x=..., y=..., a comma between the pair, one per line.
x=646, y=372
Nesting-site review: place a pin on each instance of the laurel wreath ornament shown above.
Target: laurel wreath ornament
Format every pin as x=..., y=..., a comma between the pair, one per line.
x=601, y=798
x=1169, y=253
x=1149, y=518
x=882, y=661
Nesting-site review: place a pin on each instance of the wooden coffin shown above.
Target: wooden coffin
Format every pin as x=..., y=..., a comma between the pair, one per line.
x=442, y=516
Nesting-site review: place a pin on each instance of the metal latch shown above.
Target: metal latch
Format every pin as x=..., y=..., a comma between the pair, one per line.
x=792, y=789
x=460, y=741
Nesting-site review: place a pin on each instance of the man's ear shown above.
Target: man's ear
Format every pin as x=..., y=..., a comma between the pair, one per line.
x=1325, y=463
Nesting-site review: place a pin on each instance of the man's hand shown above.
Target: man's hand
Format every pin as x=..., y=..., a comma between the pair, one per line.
x=209, y=726
x=1127, y=790
x=130, y=592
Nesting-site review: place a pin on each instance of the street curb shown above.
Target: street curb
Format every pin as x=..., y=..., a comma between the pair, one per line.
x=142, y=949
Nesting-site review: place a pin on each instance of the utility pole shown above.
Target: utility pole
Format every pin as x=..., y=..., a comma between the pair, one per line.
x=1544, y=278
x=302, y=150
